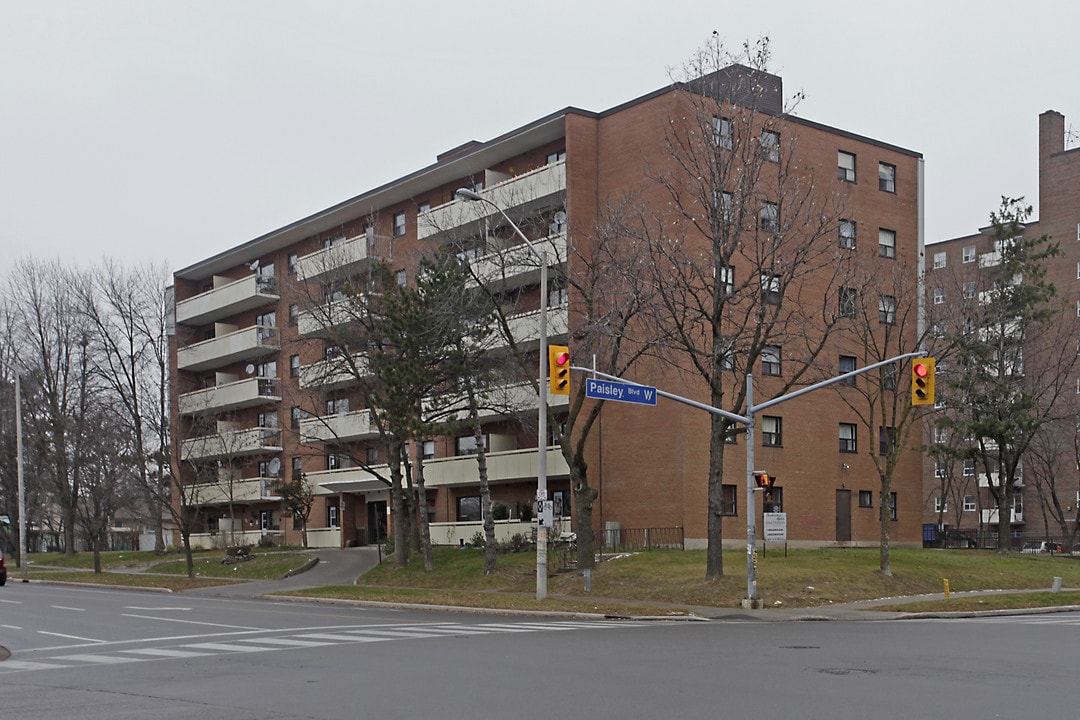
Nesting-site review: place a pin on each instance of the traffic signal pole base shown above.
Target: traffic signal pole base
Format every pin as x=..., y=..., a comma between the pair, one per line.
x=752, y=603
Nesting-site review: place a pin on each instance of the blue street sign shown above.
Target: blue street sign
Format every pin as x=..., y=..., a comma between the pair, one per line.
x=622, y=392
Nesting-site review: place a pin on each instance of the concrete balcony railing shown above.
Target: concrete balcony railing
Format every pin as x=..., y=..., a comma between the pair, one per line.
x=995, y=480
x=239, y=491
x=517, y=266
x=498, y=402
x=251, y=392
x=991, y=516
x=341, y=259
x=453, y=533
x=315, y=322
x=228, y=299
x=247, y=344
x=522, y=193
x=232, y=444
x=503, y=466
x=344, y=427
x=525, y=327
x=333, y=372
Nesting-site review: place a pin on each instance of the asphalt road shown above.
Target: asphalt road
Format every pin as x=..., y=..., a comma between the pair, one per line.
x=92, y=654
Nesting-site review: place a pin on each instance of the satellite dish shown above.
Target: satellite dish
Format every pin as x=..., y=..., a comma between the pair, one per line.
x=275, y=467
x=250, y=369
x=560, y=217
x=254, y=266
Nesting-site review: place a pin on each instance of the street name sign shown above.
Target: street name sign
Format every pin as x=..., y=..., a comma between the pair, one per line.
x=621, y=392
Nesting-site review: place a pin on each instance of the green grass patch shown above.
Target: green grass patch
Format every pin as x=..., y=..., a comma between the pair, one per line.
x=1004, y=601
x=176, y=584
x=268, y=566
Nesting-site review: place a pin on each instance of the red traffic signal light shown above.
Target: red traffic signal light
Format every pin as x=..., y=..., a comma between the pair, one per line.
x=764, y=480
x=559, y=369
x=922, y=381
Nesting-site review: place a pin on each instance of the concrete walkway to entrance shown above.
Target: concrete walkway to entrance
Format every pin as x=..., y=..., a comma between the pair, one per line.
x=335, y=567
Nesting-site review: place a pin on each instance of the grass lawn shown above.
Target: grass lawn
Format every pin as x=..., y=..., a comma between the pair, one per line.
x=146, y=568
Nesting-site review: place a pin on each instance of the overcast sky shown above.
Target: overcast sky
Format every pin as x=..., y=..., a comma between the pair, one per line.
x=170, y=130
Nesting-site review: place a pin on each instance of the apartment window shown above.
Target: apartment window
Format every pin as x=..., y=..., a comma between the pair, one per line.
x=939, y=296
x=941, y=505
x=941, y=469
x=848, y=436
x=886, y=439
x=969, y=289
x=558, y=296
x=297, y=466
x=770, y=214
x=295, y=416
x=428, y=449
x=722, y=132
x=886, y=240
x=332, y=516
x=770, y=145
x=969, y=467
x=294, y=313
x=969, y=503
x=466, y=445
x=727, y=279
x=847, y=234
x=401, y=278
x=847, y=364
x=333, y=461
x=845, y=161
x=557, y=156
x=727, y=206
x=888, y=377
x=423, y=207
x=266, y=369
x=727, y=355
x=266, y=319
x=399, y=223
x=941, y=435
x=727, y=503
x=264, y=268
x=267, y=469
x=892, y=506
x=886, y=177
x=266, y=420
x=468, y=509
x=887, y=309
x=847, y=304
x=337, y=406
x=290, y=263
x=969, y=254
x=770, y=360
x=866, y=499
x=372, y=456
x=771, y=431
x=770, y=288
x=939, y=260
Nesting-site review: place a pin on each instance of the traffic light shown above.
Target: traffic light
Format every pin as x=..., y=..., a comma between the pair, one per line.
x=559, y=369
x=764, y=480
x=922, y=381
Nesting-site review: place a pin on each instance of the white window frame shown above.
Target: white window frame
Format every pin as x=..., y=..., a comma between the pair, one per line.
x=399, y=223
x=847, y=230
x=849, y=437
x=941, y=505
x=940, y=258
x=770, y=145
x=939, y=296
x=723, y=134
x=887, y=309
x=969, y=254
x=886, y=243
x=969, y=503
x=771, y=360
x=845, y=163
x=886, y=177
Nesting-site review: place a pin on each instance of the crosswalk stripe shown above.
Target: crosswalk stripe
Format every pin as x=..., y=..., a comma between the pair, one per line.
x=389, y=634
x=341, y=637
x=166, y=653
x=27, y=665
x=96, y=659
x=288, y=642
x=228, y=647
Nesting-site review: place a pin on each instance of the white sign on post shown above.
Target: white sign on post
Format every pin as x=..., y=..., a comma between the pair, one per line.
x=775, y=527
x=545, y=513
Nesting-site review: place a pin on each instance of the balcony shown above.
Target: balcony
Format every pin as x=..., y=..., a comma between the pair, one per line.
x=338, y=428
x=227, y=299
x=232, y=444
x=247, y=344
x=991, y=516
x=241, y=491
x=516, y=266
x=995, y=479
x=341, y=259
x=499, y=401
x=525, y=327
x=524, y=193
x=337, y=313
x=505, y=466
x=230, y=396
x=333, y=372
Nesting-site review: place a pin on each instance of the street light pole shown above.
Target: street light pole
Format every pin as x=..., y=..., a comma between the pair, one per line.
x=541, y=421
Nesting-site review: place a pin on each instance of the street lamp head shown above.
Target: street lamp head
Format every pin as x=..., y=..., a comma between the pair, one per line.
x=467, y=194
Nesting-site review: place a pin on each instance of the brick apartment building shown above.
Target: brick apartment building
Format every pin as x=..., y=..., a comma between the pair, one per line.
x=254, y=398
x=957, y=495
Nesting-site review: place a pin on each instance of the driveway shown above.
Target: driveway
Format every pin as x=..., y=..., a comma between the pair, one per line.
x=335, y=567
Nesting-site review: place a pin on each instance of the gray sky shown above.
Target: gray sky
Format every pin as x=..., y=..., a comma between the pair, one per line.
x=170, y=130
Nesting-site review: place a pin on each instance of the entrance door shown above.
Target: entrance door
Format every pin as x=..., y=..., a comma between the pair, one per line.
x=843, y=515
x=376, y=512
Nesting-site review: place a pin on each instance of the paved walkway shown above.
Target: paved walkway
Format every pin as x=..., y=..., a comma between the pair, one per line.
x=333, y=567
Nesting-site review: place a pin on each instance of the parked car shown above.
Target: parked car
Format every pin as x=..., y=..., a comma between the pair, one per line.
x=3, y=570
x=1034, y=547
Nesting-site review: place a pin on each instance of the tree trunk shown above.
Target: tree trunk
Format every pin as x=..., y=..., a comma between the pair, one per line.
x=715, y=554
x=584, y=496
x=421, y=501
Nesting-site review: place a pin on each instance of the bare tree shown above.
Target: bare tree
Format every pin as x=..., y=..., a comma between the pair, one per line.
x=743, y=246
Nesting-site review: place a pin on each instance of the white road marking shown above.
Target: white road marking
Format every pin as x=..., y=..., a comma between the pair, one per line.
x=160, y=609
x=192, y=622
x=96, y=659
x=11, y=627
x=166, y=653
x=64, y=607
x=70, y=637
x=226, y=647
x=12, y=602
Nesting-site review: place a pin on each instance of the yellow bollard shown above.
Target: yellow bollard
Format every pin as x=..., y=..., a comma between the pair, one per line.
x=946, y=588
